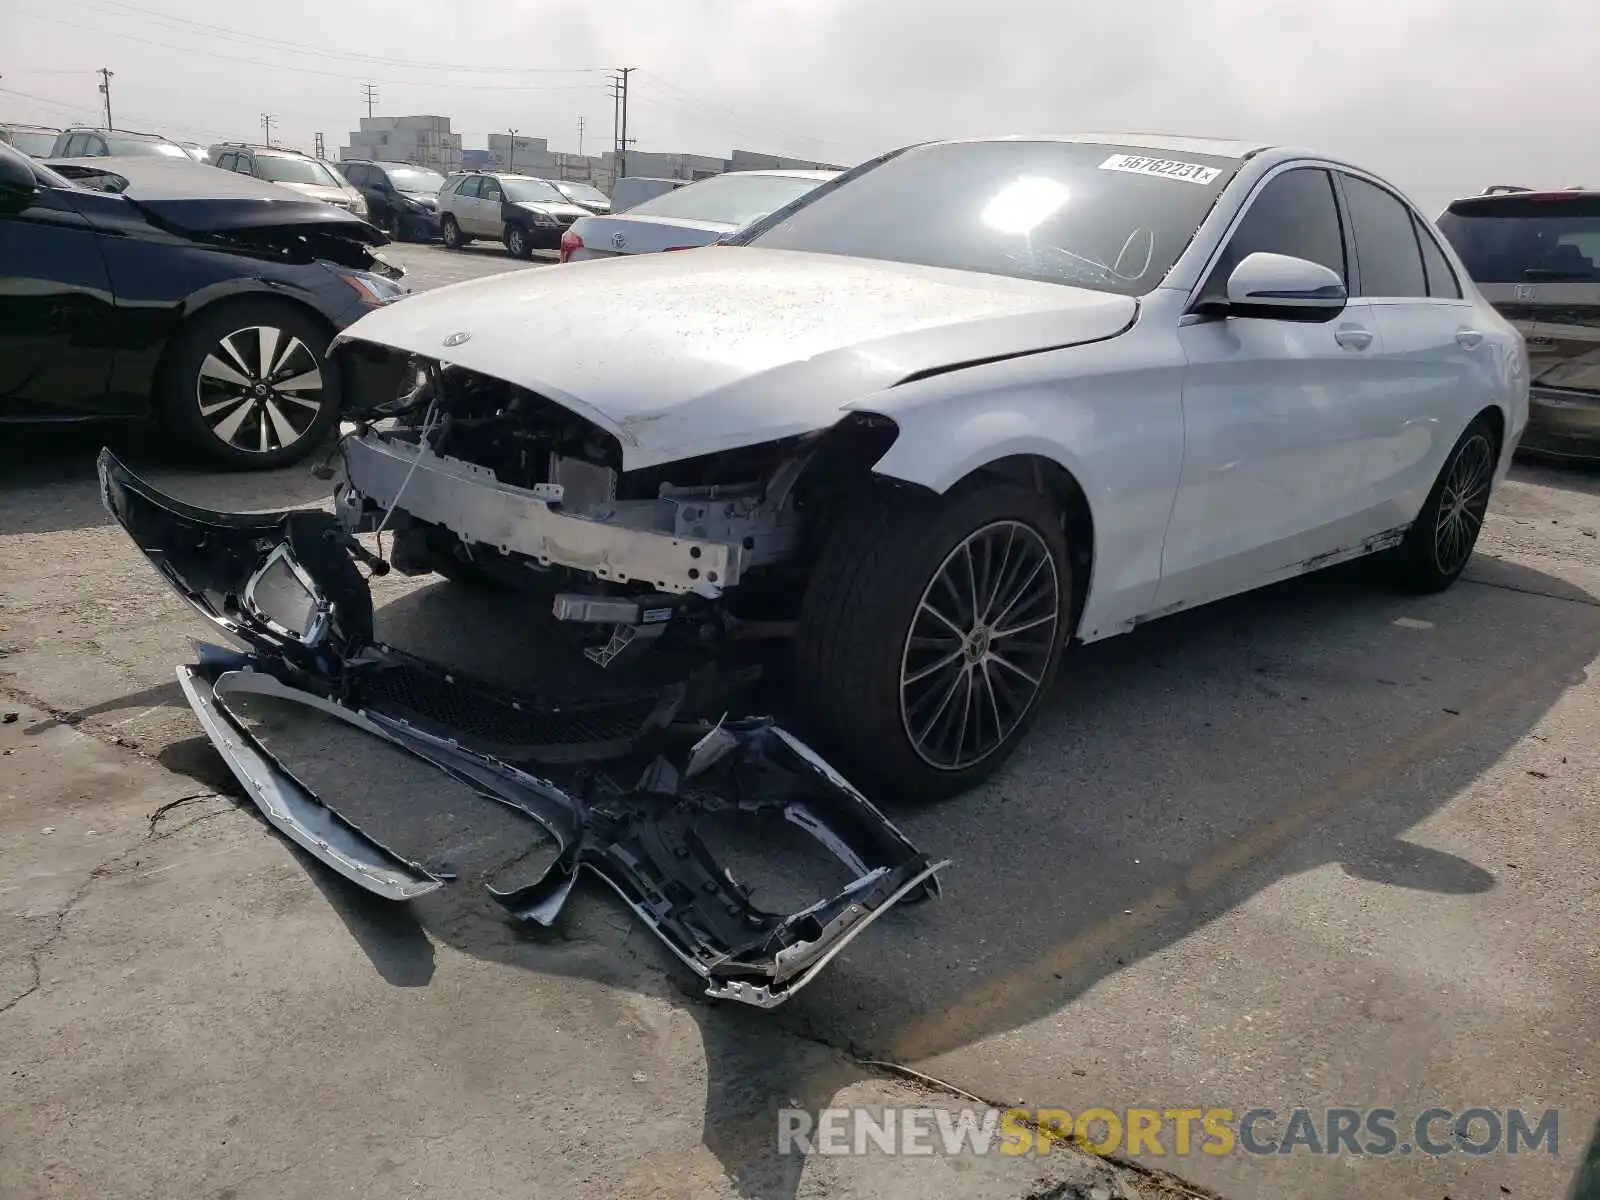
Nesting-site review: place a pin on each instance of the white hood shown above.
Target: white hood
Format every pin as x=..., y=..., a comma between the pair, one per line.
x=703, y=350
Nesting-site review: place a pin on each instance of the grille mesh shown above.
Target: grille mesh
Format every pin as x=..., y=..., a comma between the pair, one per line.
x=526, y=728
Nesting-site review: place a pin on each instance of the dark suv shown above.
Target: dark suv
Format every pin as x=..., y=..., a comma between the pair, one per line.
x=1536, y=257
x=402, y=199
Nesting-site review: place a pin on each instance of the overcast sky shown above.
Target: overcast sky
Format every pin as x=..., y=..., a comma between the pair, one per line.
x=1443, y=96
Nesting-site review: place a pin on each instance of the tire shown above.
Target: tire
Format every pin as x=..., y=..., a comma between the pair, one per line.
x=450, y=233
x=1440, y=542
x=871, y=697
x=518, y=243
x=216, y=394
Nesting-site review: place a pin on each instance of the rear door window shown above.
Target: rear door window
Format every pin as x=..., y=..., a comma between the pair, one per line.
x=468, y=188
x=1387, y=252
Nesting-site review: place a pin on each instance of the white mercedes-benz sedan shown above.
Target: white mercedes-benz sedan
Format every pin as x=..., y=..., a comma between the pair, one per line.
x=964, y=406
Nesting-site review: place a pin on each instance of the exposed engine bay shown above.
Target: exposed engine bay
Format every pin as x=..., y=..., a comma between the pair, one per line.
x=475, y=475
x=620, y=782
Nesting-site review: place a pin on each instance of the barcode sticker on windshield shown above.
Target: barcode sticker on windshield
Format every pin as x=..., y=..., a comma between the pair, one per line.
x=1139, y=164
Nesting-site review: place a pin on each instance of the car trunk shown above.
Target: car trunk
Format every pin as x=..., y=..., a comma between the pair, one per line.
x=1536, y=257
x=610, y=237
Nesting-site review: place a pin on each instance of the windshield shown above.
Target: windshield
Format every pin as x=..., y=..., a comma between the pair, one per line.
x=38, y=145
x=1515, y=239
x=583, y=193
x=294, y=170
x=531, y=190
x=415, y=179
x=1110, y=218
x=733, y=199
x=139, y=148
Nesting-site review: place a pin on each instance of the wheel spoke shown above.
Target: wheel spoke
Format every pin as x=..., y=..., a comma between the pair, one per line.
x=307, y=381
x=285, y=356
x=213, y=367
x=207, y=410
x=1000, y=730
x=228, y=428
x=1011, y=666
x=263, y=442
x=1026, y=625
x=944, y=704
x=1022, y=590
x=280, y=423
x=266, y=349
x=996, y=582
x=933, y=668
x=231, y=349
x=927, y=607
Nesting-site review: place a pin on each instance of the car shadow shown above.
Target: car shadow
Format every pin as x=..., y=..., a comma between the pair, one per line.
x=1569, y=474
x=50, y=475
x=1174, y=773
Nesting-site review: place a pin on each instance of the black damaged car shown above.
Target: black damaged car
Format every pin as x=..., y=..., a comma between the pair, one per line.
x=167, y=288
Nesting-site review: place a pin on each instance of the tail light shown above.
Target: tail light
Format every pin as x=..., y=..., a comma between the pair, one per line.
x=569, y=242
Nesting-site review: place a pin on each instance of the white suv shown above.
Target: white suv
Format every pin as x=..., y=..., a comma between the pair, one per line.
x=526, y=213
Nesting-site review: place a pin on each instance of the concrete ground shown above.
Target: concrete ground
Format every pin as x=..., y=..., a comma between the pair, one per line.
x=1322, y=846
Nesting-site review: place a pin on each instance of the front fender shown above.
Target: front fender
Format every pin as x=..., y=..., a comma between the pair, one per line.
x=1109, y=413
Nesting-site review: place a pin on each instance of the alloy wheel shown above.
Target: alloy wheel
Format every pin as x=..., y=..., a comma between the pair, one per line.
x=1462, y=504
x=515, y=242
x=979, y=646
x=260, y=389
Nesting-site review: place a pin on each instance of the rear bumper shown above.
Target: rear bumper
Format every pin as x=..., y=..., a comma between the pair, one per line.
x=1561, y=423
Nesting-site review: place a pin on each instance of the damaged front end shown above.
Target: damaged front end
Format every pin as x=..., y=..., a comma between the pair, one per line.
x=619, y=784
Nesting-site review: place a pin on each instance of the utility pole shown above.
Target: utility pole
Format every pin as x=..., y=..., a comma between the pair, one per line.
x=105, y=89
x=266, y=127
x=322, y=150
x=622, y=153
x=370, y=95
x=511, y=156
x=580, y=137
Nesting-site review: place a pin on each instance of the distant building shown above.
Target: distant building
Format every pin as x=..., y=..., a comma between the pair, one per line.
x=423, y=140
x=533, y=156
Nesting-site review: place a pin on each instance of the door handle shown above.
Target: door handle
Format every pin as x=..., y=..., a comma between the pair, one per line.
x=1353, y=337
x=1468, y=338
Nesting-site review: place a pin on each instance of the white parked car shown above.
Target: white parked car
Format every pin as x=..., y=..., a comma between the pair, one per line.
x=696, y=214
x=976, y=402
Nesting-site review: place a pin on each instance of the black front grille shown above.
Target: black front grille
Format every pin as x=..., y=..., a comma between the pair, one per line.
x=516, y=728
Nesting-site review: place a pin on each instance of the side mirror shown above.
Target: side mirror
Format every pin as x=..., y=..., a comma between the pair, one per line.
x=18, y=186
x=1280, y=287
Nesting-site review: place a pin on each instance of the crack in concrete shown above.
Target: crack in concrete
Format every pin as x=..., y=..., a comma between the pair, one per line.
x=1509, y=587
x=105, y=869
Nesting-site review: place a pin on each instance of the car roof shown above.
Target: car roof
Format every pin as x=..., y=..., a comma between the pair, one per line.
x=24, y=127
x=130, y=133
x=1176, y=143
x=777, y=173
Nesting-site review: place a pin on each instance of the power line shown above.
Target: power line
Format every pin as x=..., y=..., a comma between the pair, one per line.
x=256, y=39
x=687, y=100
x=257, y=62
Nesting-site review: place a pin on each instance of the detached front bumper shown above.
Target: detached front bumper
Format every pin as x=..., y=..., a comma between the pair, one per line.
x=620, y=784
